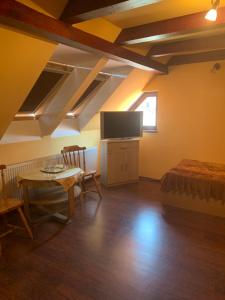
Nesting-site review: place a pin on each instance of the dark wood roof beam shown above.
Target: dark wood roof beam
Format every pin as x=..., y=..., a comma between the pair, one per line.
x=192, y=45
x=81, y=10
x=170, y=27
x=197, y=58
x=21, y=17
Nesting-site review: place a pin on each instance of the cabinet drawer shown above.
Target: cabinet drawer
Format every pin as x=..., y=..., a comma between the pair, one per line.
x=121, y=146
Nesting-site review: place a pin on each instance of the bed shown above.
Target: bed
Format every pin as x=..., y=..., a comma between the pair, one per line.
x=196, y=179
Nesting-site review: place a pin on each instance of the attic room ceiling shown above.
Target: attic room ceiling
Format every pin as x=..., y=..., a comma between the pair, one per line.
x=28, y=20
x=78, y=58
x=146, y=26
x=165, y=9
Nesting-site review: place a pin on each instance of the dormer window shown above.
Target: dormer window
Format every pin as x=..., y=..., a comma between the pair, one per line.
x=148, y=104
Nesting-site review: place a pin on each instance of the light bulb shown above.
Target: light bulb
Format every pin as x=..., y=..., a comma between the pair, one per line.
x=70, y=114
x=211, y=15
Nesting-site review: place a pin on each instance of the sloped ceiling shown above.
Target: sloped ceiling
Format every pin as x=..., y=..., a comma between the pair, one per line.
x=17, y=76
x=79, y=58
x=52, y=8
x=165, y=9
x=22, y=59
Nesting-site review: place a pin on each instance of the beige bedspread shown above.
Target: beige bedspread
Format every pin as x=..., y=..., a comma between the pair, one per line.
x=195, y=178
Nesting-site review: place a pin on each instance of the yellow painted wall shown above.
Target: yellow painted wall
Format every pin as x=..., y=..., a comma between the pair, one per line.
x=19, y=152
x=101, y=28
x=191, y=119
x=22, y=58
x=128, y=91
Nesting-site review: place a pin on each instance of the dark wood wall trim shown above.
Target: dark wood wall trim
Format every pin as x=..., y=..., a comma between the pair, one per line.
x=21, y=17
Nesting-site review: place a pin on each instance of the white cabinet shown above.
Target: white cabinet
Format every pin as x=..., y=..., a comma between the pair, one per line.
x=119, y=161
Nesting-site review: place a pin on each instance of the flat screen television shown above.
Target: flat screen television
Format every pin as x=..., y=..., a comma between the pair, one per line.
x=121, y=124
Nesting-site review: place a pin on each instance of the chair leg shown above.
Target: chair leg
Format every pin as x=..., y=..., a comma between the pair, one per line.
x=83, y=188
x=26, y=203
x=71, y=203
x=5, y=222
x=81, y=197
x=25, y=223
x=97, y=187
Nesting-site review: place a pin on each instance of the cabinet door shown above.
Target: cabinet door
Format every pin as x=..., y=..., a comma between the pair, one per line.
x=131, y=164
x=116, y=167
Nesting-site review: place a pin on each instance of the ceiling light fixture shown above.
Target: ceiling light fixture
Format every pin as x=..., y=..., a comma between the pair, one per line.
x=212, y=13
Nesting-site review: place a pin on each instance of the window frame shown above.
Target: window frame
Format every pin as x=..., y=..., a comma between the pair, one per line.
x=102, y=78
x=140, y=100
x=37, y=112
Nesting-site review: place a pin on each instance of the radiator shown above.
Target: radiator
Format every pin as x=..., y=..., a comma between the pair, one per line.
x=12, y=171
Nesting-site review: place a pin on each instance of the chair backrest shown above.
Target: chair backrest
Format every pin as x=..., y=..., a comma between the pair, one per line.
x=3, y=194
x=74, y=156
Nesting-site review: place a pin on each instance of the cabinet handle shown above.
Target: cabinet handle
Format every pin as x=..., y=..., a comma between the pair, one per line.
x=123, y=148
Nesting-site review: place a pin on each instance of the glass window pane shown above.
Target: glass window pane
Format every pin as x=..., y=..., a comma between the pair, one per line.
x=148, y=106
x=88, y=91
x=42, y=87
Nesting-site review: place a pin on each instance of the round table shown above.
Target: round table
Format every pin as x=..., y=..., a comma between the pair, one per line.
x=37, y=178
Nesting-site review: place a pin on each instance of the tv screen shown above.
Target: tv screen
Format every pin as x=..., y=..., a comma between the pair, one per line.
x=121, y=124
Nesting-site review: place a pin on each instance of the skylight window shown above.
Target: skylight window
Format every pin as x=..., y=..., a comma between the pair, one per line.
x=91, y=90
x=148, y=104
x=45, y=86
x=95, y=83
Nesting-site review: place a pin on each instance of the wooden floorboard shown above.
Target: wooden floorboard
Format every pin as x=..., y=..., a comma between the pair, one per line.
x=126, y=247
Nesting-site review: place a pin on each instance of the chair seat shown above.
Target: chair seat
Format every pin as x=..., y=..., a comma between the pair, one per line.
x=9, y=204
x=89, y=173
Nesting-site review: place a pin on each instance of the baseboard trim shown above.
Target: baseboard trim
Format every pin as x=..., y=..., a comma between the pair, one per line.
x=143, y=178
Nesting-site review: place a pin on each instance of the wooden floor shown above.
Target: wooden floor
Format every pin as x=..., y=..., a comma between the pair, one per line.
x=126, y=247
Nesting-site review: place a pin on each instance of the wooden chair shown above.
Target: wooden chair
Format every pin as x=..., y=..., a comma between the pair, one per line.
x=75, y=156
x=10, y=204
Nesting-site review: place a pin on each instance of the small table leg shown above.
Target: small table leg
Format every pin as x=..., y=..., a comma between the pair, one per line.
x=26, y=202
x=71, y=203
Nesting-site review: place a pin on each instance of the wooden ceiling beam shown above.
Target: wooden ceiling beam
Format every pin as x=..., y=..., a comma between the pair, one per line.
x=21, y=17
x=81, y=10
x=197, y=58
x=193, y=45
x=171, y=27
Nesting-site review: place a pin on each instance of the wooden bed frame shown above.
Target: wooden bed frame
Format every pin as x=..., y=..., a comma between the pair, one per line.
x=209, y=207
x=196, y=186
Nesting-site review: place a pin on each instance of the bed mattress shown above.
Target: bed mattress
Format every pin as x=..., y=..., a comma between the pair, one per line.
x=195, y=178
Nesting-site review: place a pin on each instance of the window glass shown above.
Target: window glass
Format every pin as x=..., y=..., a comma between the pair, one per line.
x=95, y=83
x=41, y=89
x=148, y=106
